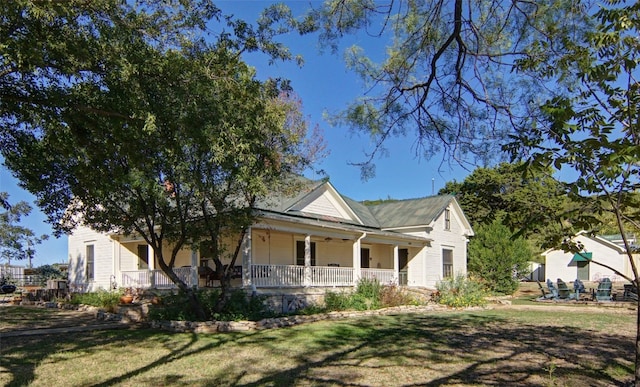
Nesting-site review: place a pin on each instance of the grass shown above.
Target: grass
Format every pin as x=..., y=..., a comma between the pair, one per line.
x=510, y=346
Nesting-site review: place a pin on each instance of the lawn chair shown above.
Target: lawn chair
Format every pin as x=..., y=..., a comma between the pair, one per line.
x=630, y=293
x=545, y=295
x=563, y=290
x=603, y=292
x=552, y=289
x=578, y=288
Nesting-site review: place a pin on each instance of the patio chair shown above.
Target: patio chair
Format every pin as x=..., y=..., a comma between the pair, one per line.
x=603, y=292
x=563, y=290
x=630, y=293
x=578, y=288
x=545, y=295
x=552, y=289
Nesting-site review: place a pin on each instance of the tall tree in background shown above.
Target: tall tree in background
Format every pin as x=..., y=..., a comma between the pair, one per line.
x=498, y=256
x=528, y=203
x=592, y=129
x=16, y=241
x=119, y=116
x=445, y=77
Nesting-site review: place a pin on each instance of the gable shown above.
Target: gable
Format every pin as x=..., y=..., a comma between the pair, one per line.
x=326, y=203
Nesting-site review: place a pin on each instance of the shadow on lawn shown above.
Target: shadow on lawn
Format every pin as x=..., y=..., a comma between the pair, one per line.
x=454, y=349
x=28, y=352
x=432, y=350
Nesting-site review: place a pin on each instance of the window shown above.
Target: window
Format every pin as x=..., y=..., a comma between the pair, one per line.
x=90, y=269
x=447, y=219
x=447, y=263
x=143, y=257
x=300, y=253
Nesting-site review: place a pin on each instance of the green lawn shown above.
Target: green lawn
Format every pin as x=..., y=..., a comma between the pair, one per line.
x=488, y=347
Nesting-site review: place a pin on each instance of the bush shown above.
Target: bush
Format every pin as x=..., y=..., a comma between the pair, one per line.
x=243, y=307
x=337, y=301
x=173, y=307
x=101, y=299
x=240, y=306
x=369, y=294
x=392, y=295
x=47, y=272
x=460, y=292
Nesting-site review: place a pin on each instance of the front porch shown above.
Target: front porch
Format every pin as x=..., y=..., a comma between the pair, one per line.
x=269, y=276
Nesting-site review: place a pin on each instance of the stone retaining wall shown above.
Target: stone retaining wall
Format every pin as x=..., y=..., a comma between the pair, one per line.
x=271, y=323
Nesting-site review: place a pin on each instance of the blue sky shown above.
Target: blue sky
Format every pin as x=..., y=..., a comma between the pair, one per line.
x=324, y=86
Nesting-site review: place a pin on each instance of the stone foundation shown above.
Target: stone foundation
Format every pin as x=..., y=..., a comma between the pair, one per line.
x=280, y=322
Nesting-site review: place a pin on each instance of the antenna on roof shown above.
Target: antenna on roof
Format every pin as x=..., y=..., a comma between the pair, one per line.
x=433, y=186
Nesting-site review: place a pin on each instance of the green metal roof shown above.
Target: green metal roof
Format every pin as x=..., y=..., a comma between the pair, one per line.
x=412, y=212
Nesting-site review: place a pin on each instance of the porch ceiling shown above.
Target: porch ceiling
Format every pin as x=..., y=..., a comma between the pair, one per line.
x=324, y=228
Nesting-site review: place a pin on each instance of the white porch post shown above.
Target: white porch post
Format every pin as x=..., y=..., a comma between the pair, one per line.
x=357, y=270
x=151, y=258
x=396, y=265
x=246, y=259
x=307, y=260
x=116, y=264
x=194, y=268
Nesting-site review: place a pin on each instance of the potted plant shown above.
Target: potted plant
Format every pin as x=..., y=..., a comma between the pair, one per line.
x=127, y=297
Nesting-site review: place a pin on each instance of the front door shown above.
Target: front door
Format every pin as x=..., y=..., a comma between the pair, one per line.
x=583, y=270
x=403, y=258
x=364, y=258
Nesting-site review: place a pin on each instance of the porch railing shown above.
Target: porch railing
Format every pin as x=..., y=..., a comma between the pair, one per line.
x=265, y=276
x=384, y=276
x=155, y=278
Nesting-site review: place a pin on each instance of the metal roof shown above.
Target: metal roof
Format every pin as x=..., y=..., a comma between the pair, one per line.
x=411, y=212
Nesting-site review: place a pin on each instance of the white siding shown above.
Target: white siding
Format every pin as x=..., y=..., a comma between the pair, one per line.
x=325, y=203
x=558, y=263
x=417, y=268
x=103, y=259
x=431, y=260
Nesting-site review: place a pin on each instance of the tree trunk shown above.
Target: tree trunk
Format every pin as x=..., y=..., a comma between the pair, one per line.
x=192, y=297
x=637, y=363
x=225, y=291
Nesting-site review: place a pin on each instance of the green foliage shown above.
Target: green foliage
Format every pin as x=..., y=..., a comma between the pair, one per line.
x=460, y=292
x=589, y=128
x=439, y=73
x=123, y=118
x=526, y=202
x=498, y=257
x=240, y=306
x=337, y=301
x=369, y=294
x=47, y=272
x=16, y=241
x=101, y=299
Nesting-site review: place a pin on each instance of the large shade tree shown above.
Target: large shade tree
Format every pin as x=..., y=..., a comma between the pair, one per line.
x=117, y=116
x=590, y=132
x=462, y=75
x=441, y=71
